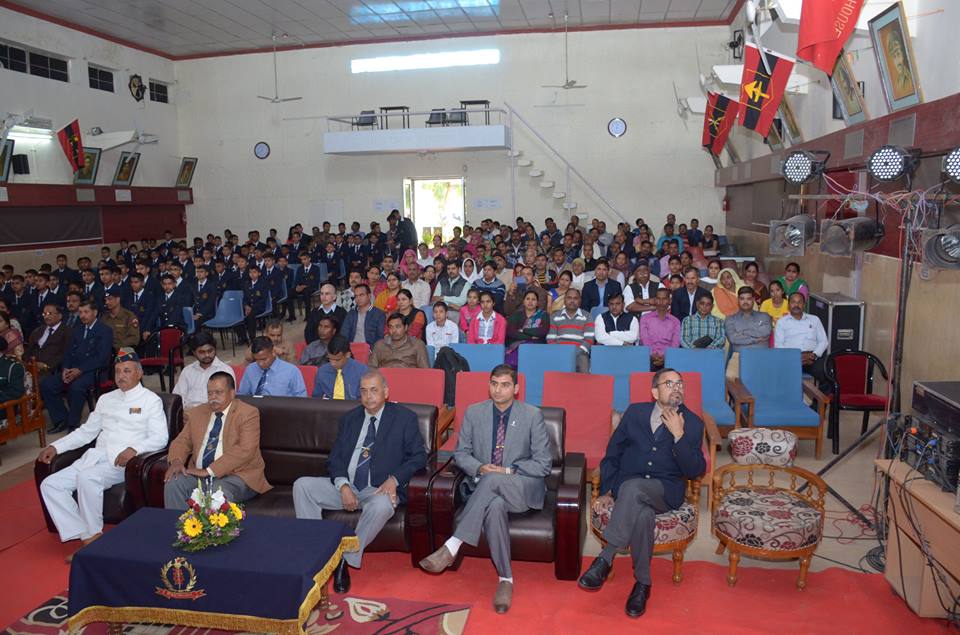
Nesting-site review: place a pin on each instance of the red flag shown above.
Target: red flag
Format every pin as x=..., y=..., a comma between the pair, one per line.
x=761, y=89
x=825, y=26
x=72, y=145
x=718, y=120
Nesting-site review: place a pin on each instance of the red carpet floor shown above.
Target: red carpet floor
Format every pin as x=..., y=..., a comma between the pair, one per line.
x=764, y=600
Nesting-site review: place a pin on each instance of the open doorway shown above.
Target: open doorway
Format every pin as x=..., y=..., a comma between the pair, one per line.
x=436, y=204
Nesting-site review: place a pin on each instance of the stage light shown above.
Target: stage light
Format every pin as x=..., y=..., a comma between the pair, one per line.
x=890, y=163
x=951, y=165
x=941, y=247
x=844, y=237
x=802, y=166
x=791, y=236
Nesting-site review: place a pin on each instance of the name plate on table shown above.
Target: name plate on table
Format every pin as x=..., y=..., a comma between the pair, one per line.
x=267, y=580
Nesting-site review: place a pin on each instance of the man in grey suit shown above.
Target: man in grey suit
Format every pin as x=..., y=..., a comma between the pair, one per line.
x=503, y=450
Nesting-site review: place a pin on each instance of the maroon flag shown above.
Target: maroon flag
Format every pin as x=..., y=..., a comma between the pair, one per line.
x=72, y=145
x=825, y=26
x=761, y=88
x=718, y=120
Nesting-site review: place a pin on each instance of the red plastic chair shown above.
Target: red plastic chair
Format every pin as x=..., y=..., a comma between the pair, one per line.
x=298, y=349
x=420, y=385
x=473, y=386
x=168, y=344
x=851, y=373
x=309, y=377
x=588, y=402
x=238, y=372
x=361, y=353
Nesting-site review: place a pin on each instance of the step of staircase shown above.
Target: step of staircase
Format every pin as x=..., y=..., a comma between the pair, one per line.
x=524, y=163
x=547, y=184
x=536, y=173
x=570, y=205
x=559, y=195
x=515, y=153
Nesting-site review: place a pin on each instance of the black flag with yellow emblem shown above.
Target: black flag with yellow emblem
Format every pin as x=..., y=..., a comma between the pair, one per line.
x=72, y=144
x=718, y=120
x=761, y=89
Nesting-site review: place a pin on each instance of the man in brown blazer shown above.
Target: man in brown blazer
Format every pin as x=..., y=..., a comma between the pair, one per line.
x=48, y=342
x=221, y=438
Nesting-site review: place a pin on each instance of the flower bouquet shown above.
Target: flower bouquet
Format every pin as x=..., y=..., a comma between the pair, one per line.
x=210, y=519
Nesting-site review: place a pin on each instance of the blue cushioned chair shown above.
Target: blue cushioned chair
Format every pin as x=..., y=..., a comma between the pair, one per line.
x=773, y=377
x=228, y=316
x=619, y=362
x=189, y=321
x=711, y=363
x=535, y=359
x=483, y=357
x=596, y=311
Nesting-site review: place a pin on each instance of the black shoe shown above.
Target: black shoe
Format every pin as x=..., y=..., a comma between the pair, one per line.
x=56, y=428
x=341, y=578
x=595, y=576
x=637, y=602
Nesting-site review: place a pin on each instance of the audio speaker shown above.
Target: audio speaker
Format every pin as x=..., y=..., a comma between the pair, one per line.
x=20, y=164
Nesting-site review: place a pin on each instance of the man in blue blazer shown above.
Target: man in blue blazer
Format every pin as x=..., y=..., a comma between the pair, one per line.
x=378, y=449
x=89, y=350
x=339, y=363
x=374, y=320
x=597, y=292
x=656, y=447
x=142, y=304
x=684, y=301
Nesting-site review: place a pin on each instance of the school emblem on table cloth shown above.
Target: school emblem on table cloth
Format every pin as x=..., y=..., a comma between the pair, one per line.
x=179, y=579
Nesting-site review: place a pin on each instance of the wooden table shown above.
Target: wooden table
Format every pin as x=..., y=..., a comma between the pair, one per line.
x=930, y=509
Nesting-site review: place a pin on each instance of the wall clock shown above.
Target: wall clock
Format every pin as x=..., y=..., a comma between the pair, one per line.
x=261, y=150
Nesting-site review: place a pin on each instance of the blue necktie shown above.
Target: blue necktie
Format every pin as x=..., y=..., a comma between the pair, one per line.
x=263, y=380
x=210, y=450
x=361, y=478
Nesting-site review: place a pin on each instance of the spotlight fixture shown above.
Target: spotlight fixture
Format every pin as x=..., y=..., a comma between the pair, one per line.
x=844, y=237
x=951, y=165
x=941, y=247
x=890, y=163
x=96, y=131
x=802, y=166
x=791, y=236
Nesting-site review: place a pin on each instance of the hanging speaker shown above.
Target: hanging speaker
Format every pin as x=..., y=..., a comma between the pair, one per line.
x=20, y=164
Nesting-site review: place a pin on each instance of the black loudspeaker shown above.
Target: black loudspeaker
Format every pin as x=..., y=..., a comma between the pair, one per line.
x=20, y=164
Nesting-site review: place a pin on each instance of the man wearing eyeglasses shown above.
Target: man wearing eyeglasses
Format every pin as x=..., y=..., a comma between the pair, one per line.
x=653, y=451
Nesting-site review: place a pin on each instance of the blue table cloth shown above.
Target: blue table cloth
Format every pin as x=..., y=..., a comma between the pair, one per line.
x=267, y=580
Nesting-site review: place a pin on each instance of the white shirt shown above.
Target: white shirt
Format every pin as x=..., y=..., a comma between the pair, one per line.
x=616, y=338
x=440, y=336
x=485, y=327
x=806, y=334
x=420, y=290
x=47, y=332
x=192, y=383
x=206, y=437
x=121, y=420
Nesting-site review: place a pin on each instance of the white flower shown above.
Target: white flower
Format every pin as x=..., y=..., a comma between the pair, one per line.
x=217, y=499
x=197, y=495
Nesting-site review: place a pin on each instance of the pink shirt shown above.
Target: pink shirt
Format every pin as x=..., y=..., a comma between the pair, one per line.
x=659, y=334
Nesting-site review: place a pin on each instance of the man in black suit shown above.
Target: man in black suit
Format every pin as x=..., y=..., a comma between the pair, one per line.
x=204, y=297
x=92, y=290
x=273, y=278
x=143, y=305
x=170, y=309
x=656, y=447
x=89, y=351
x=328, y=306
x=65, y=274
x=597, y=292
x=684, y=301
x=378, y=449
x=48, y=342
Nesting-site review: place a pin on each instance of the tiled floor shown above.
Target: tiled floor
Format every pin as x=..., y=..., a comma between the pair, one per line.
x=845, y=541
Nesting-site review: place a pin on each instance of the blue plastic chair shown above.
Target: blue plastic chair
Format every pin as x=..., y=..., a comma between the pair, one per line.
x=711, y=363
x=773, y=377
x=535, y=359
x=189, y=321
x=596, y=311
x=229, y=314
x=268, y=310
x=619, y=362
x=482, y=357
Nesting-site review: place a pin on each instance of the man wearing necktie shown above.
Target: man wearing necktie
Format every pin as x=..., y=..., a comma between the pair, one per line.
x=504, y=452
x=204, y=297
x=340, y=377
x=270, y=375
x=378, y=449
x=220, y=440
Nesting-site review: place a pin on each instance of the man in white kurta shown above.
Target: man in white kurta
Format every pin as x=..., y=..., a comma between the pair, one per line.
x=126, y=422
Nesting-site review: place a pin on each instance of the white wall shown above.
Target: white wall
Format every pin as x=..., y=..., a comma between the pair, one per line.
x=64, y=102
x=934, y=25
x=657, y=167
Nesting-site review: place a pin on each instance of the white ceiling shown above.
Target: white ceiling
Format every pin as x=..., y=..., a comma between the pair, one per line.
x=201, y=27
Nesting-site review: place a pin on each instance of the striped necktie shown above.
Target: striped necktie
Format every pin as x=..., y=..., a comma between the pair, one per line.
x=361, y=477
x=260, y=384
x=210, y=450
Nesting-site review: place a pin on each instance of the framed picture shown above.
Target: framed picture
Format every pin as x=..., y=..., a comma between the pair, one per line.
x=187, y=167
x=790, y=120
x=6, y=155
x=87, y=175
x=894, y=51
x=848, y=96
x=126, y=168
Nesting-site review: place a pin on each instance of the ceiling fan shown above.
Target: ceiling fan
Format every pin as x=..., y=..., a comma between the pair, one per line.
x=276, y=99
x=568, y=83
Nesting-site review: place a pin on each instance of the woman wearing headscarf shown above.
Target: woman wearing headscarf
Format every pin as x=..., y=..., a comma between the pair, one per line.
x=725, y=301
x=468, y=270
x=409, y=257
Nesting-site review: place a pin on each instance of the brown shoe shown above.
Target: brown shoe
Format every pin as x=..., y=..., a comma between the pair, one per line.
x=437, y=561
x=501, y=599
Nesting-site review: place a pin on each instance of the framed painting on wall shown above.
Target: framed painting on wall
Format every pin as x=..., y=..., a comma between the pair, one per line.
x=894, y=51
x=126, y=169
x=188, y=166
x=848, y=92
x=87, y=175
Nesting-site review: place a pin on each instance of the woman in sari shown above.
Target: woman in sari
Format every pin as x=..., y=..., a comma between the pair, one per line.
x=564, y=282
x=409, y=258
x=725, y=301
x=750, y=272
x=12, y=336
x=527, y=325
x=792, y=282
x=438, y=248
x=413, y=317
x=387, y=299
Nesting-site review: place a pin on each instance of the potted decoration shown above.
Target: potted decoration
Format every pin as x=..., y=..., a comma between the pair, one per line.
x=210, y=520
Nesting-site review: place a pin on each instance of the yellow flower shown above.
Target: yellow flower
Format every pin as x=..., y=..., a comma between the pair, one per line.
x=192, y=527
x=236, y=511
x=220, y=520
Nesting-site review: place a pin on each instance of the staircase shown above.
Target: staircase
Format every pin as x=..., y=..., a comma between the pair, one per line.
x=523, y=167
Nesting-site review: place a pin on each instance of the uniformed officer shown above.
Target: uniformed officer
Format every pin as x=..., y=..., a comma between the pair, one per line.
x=170, y=311
x=123, y=323
x=255, y=295
x=204, y=297
x=273, y=278
x=306, y=281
